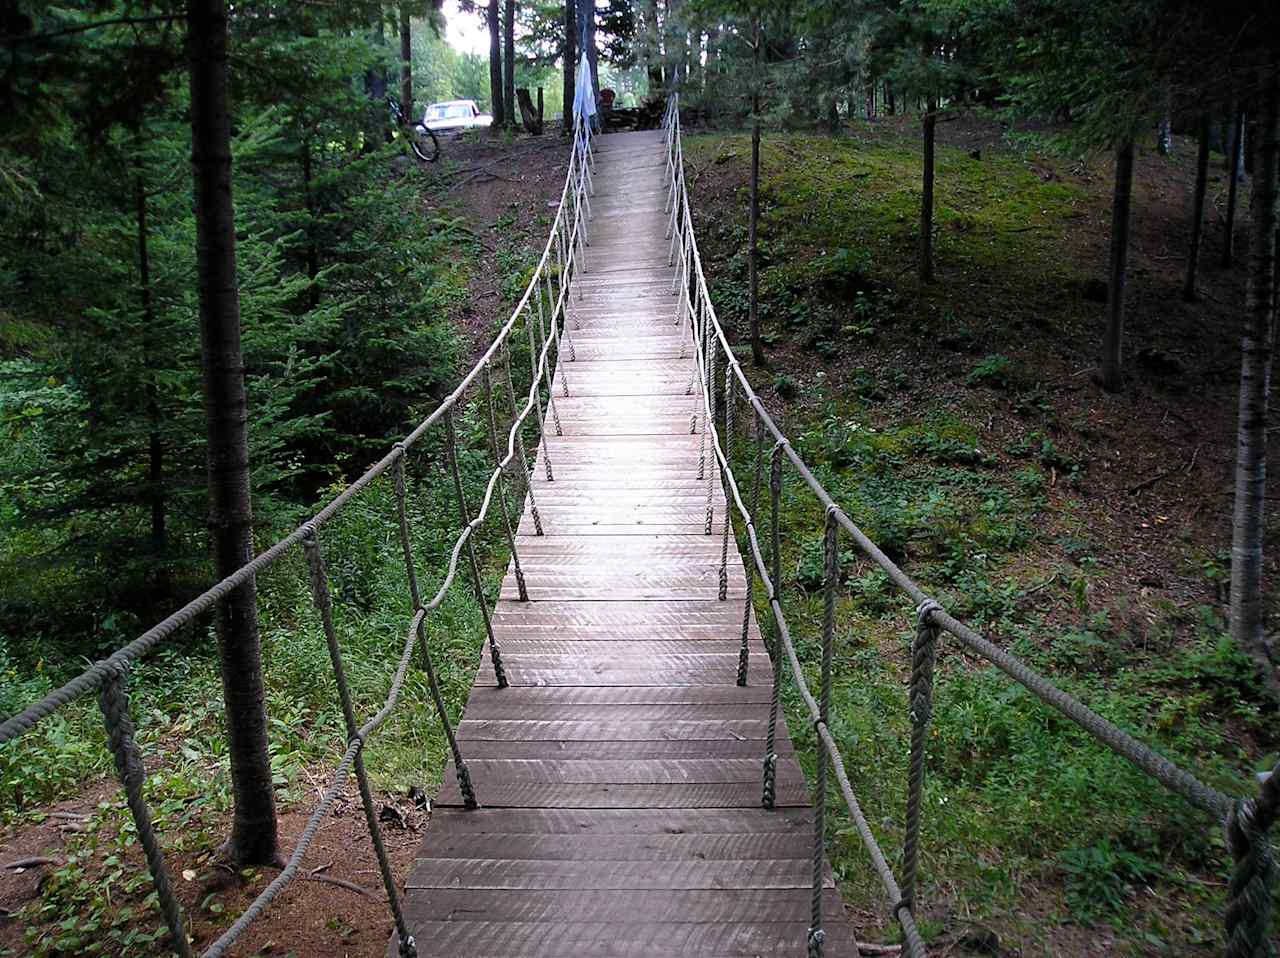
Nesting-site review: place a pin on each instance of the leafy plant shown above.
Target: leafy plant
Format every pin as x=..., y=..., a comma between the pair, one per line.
x=995, y=371
x=1100, y=877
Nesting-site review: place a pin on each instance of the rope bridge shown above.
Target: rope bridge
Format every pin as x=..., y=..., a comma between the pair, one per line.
x=620, y=781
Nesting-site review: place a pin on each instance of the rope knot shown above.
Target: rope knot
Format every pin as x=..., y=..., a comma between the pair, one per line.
x=1249, y=890
x=309, y=533
x=925, y=611
x=816, y=937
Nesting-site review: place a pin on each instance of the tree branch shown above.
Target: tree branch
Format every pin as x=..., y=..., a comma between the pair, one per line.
x=96, y=25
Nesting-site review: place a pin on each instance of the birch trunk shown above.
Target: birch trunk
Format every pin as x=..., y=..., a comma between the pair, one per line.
x=1248, y=610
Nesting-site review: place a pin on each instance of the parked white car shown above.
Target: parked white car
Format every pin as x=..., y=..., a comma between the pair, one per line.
x=454, y=116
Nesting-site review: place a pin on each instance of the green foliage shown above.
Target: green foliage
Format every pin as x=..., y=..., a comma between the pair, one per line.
x=994, y=371
x=1100, y=878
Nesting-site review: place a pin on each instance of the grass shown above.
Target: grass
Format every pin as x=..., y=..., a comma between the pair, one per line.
x=1017, y=797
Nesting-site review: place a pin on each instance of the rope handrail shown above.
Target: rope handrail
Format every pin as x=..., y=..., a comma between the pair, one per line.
x=1246, y=820
x=559, y=266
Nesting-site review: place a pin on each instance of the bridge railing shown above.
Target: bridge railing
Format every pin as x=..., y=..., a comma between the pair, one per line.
x=1246, y=820
x=538, y=320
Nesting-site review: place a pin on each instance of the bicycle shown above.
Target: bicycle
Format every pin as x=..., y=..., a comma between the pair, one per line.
x=422, y=141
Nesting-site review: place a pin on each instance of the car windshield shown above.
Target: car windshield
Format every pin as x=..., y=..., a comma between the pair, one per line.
x=448, y=111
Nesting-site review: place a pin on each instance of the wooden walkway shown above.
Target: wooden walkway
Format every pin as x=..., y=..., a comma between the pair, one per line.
x=620, y=774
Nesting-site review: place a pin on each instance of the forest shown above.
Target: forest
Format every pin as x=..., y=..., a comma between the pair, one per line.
x=1005, y=270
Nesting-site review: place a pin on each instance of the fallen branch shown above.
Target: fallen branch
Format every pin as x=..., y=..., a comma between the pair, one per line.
x=1148, y=483
x=343, y=883
x=28, y=862
x=866, y=949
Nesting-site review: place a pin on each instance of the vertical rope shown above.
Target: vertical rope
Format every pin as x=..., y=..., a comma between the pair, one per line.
x=114, y=701
x=923, y=653
x=324, y=605
x=464, y=778
x=775, y=599
x=710, y=424
x=728, y=459
x=1253, y=875
x=831, y=577
x=743, y=651
x=525, y=469
x=539, y=378
x=464, y=515
x=501, y=490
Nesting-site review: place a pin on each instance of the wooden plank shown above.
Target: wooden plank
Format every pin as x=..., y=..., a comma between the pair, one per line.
x=725, y=748
x=733, y=905
x=578, y=697
x=749, y=846
x=642, y=821
x=511, y=873
x=506, y=794
x=664, y=771
x=550, y=939
x=496, y=707
x=622, y=731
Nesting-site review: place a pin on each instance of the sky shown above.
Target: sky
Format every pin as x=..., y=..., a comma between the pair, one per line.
x=465, y=31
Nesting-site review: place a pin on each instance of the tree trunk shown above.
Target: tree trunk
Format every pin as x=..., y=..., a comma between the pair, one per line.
x=929, y=122
x=497, y=108
x=530, y=116
x=889, y=105
x=1113, y=338
x=1197, y=211
x=406, y=64
x=653, y=46
x=253, y=831
x=1235, y=167
x=155, y=445
x=1248, y=611
x=588, y=12
x=570, y=59
x=509, y=62
x=753, y=253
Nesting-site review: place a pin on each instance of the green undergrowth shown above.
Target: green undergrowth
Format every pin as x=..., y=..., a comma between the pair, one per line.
x=96, y=903
x=1032, y=830
x=1029, y=823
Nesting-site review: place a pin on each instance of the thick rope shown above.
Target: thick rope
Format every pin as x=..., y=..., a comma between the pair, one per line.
x=728, y=524
x=451, y=454
x=772, y=583
x=502, y=496
x=319, y=581
x=1250, y=889
x=923, y=654
x=831, y=580
x=114, y=702
x=744, y=650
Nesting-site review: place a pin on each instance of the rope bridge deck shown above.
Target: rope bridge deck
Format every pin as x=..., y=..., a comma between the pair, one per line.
x=620, y=772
